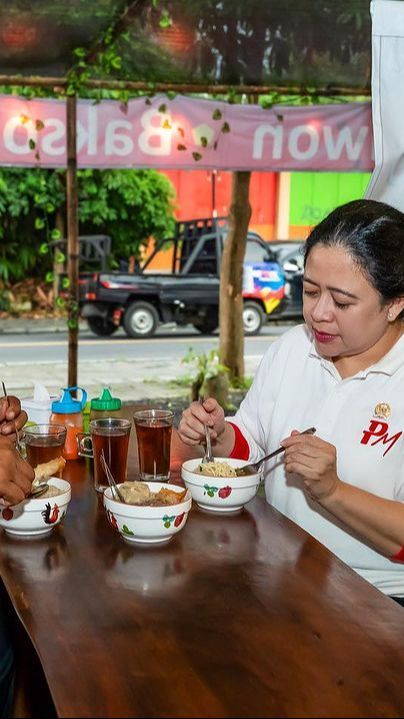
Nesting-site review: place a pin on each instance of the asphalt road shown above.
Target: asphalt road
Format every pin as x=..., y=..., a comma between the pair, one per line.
x=169, y=342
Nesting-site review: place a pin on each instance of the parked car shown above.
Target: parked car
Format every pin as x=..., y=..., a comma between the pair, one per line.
x=290, y=256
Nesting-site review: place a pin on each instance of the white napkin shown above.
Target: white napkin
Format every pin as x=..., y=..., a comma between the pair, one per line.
x=41, y=394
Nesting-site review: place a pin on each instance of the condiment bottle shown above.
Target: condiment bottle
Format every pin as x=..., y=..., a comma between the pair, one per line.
x=105, y=405
x=69, y=412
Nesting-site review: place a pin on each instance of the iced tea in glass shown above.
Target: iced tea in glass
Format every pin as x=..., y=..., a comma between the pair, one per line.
x=153, y=431
x=111, y=436
x=43, y=442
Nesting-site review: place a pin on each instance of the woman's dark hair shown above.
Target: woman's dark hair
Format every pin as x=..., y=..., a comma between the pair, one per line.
x=373, y=234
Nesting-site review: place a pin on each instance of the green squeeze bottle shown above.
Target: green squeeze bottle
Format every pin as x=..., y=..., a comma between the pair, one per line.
x=105, y=406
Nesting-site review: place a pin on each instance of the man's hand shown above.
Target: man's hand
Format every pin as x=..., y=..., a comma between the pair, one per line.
x=16, y=475
x=315, y=461
x=11, y=416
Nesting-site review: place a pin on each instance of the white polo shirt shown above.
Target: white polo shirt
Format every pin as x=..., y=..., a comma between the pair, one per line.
x=362, y=416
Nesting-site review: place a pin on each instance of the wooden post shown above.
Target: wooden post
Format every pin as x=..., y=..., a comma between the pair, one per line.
x=72, y=238
x=231, y=343
x=282, y=210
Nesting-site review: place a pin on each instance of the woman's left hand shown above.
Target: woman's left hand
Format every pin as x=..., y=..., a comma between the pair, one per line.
x=11, y=416
x=315, y=461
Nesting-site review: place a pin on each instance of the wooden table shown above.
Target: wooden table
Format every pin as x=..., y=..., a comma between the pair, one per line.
x=238, y=616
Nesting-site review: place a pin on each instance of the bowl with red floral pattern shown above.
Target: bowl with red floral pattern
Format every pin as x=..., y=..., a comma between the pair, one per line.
x=154, y=517
x=37, y=516
x=216, y=487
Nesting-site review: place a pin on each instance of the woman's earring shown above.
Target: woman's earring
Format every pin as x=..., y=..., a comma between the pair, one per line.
x=390, y=316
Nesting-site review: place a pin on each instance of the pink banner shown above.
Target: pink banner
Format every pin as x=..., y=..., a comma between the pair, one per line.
x=188, y=133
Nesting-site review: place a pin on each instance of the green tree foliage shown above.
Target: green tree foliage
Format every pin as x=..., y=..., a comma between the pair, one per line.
x=28, y=202
x=129, y=205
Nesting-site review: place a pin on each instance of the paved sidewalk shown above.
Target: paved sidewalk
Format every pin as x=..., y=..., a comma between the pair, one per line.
x=131, y=380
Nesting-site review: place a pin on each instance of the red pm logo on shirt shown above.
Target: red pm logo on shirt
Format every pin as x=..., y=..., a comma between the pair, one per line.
x=377, y=431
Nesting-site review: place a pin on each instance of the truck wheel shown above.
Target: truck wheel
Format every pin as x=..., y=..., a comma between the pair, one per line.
x=140, y=319
x=101, y=326
x=207, y=325
x=253, y=318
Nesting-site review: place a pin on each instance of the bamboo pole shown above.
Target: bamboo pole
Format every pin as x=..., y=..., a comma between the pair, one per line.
x=60, y=83
x=72, y=238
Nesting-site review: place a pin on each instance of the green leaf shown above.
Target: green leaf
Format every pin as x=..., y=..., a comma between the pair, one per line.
x=204, y=141
x=126, y=530
x=162, y=108
x=43, y=248
x=60, y=257
x=197, y=156
x=65, y=283
x=216, y=115
x=39, y=223
x=55, y=234
x=60, y=302
x=116, y=63
x=31, y=144
x=79, y=52
x=165, y=20
x=49, y=277
x=225, y=127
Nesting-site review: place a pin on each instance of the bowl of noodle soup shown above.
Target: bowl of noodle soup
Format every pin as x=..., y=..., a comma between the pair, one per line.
x=216, y=487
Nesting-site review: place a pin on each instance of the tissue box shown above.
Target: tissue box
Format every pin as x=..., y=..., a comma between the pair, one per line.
x=37, y=411
x=38, y=407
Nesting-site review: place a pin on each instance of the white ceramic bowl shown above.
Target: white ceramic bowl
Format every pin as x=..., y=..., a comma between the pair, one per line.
x=220, y=494
x=36, y=517
x=148, y=525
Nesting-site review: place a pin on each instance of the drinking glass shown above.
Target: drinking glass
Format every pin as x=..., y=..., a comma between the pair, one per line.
x=153, y=431
x=43, y=442
x=111, y=436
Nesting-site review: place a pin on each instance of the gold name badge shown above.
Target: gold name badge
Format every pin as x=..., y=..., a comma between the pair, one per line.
x=382, y=410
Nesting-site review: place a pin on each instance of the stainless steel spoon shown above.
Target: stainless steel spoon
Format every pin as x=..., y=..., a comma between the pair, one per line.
x=38, y=490
x=111, y=481
x=17, y=440
x=208, y=456
x=256, y=466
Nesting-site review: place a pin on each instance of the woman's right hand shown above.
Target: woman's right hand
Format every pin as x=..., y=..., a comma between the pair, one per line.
x=16, y=475
x=191, y=427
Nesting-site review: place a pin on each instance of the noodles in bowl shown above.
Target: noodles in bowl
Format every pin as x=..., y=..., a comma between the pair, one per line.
x=217, y=469
x=216, y=486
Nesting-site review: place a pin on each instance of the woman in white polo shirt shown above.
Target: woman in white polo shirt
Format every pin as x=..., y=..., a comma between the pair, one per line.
x=343, y=373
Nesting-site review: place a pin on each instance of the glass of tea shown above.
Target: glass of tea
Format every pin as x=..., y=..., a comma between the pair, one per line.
x=153, y=432
x=111, y=436
x=43, y=442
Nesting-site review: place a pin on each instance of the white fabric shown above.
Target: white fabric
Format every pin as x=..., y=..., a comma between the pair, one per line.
x=387, y=181
x=295, y=388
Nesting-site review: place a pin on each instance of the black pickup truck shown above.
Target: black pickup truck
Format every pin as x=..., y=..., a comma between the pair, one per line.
x=189, y=292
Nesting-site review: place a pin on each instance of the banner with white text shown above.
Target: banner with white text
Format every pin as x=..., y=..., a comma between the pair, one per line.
x=187, y=133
